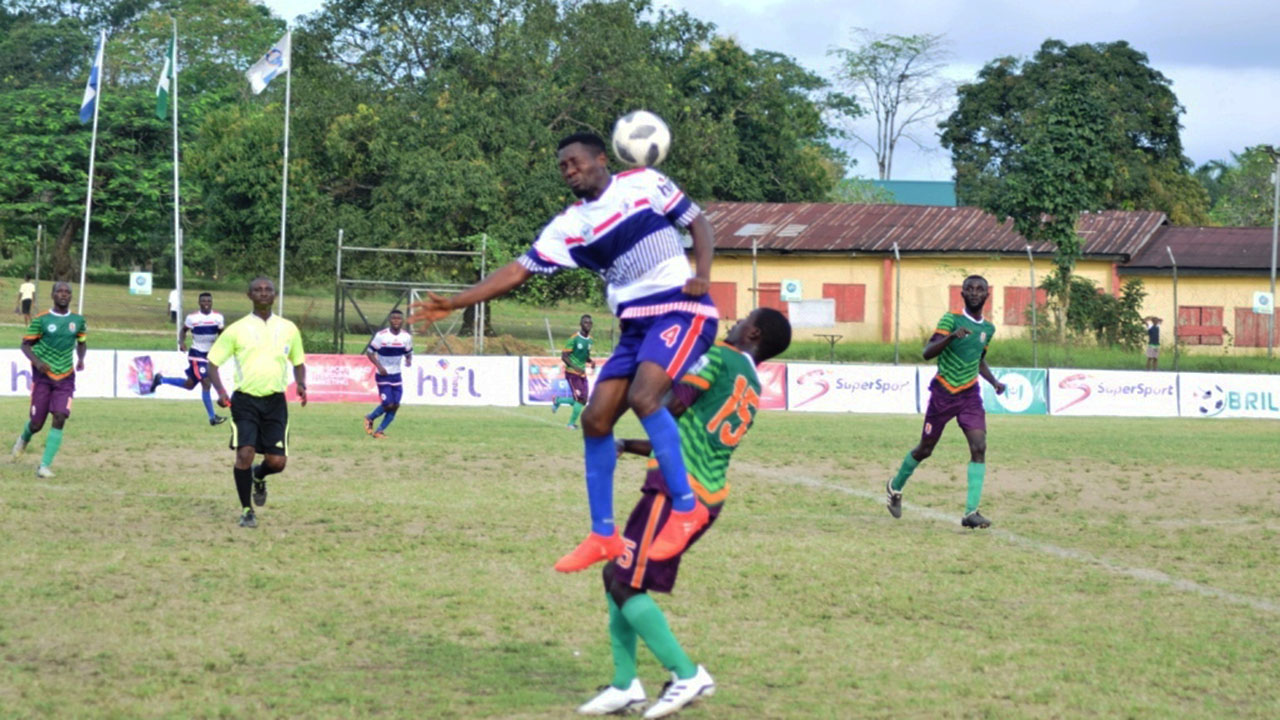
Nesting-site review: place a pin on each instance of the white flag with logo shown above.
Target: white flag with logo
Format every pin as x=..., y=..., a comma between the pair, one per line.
x=275, y=62
x=90, y=101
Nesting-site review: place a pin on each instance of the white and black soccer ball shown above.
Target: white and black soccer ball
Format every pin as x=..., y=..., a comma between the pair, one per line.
x=1210, y=400
x=641, y=139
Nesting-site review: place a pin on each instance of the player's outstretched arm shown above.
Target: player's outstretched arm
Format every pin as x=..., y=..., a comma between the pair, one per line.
x=704, y=245
x=498, y=283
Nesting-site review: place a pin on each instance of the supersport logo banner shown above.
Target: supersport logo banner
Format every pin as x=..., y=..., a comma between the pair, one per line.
x=1112, y=392
x=851, y=388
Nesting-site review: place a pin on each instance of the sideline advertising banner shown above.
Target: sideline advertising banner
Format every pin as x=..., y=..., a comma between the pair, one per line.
x=773, y=385
x=544, y=379
x=1112, y=392
x=1024, y=392
x=98, y=379
x=851, y=388
x=1210, y=395
x=135, y=368
x=463, y=380
x=339, y=378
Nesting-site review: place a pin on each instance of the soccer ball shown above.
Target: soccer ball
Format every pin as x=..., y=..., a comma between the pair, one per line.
x=1210, y=400
x=641, y=138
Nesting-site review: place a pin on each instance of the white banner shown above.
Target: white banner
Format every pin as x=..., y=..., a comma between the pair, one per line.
x=1112, y=392
x=1208, y=395
x=851, y=388
x=97, y=380
x=134, y=369
x=462, y=380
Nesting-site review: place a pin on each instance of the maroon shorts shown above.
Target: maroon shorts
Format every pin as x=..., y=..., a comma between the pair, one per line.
x=633, y=567
x=50, y=396
x=577, y=386
x=965, y=406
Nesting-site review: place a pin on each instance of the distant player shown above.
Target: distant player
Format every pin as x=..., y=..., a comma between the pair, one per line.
x=716, y=402
x=960, y=344
x=264, y=346
x=576, y=357
x=626, y=228
x=51, y=339
x=26, y=296
x=386, y=350
x=205, y=326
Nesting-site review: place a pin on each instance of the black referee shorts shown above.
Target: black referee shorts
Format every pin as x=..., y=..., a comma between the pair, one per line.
x=260, y=422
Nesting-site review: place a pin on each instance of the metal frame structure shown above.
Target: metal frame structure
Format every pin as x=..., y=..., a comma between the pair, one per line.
x=409, y=292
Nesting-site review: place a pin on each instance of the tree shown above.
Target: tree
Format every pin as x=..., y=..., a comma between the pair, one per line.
x=1140, y=136
x=1242, y=188
x=898, y=77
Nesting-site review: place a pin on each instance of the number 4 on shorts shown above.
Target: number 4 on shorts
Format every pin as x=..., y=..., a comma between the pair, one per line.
x=671, y=335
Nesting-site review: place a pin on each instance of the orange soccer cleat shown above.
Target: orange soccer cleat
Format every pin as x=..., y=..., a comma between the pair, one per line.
x=680, y=528
x=368, y=426
x=596, y=548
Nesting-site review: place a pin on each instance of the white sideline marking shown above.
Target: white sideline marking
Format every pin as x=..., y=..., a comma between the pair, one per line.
x=1145, y=574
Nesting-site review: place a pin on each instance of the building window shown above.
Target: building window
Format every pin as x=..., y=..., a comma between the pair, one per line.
x=957, y=303
x=1017, y=304
x=1200, y=325
x=851, y=300
x=725, y=296
x=771, y=297
x=1251, y=328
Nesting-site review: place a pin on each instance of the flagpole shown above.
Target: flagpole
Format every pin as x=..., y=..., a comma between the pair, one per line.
x=93, y=149
x=177, y=230
x=284, y=191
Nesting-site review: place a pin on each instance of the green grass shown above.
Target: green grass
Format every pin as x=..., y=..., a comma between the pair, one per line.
x=412, y=577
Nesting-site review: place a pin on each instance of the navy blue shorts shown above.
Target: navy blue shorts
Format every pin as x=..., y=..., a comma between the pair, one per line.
x=390, y=388
x=674, y=341
x=197, y=365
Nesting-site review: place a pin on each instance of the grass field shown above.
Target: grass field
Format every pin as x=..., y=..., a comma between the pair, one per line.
x=1131, y=572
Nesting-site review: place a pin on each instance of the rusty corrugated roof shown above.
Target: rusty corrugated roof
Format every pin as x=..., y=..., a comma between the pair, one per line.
x=1207, y=248
x=842, y=227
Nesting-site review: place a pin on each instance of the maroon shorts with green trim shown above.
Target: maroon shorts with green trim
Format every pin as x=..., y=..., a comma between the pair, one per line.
x=50, y=396
x=965, y=406
x=633, y=567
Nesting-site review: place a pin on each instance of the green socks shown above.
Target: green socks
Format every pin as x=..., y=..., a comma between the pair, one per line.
x=977, y=472
x=909, y=465
x=577, y=410
x=51, y=446
x=643, y=614
x=26, y=432
x=622, y=640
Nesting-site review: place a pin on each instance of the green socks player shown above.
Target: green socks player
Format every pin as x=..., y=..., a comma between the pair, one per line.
x=51, y=447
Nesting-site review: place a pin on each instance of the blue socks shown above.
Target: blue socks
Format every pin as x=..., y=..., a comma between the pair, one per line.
x=664, y=435
x=208, y=402
x=600, y=457
x=386, y=420
x=376, y=412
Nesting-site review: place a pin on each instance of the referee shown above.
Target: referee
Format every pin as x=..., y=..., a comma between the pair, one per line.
x=264, y=346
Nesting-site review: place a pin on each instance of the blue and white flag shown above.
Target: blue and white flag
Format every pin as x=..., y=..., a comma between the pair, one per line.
x=276, y=61
x=91, y=87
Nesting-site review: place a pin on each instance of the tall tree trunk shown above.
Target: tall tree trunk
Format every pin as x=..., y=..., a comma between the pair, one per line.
x=62, y=265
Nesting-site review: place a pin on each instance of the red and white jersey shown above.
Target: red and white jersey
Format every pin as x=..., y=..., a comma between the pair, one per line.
x=204, y=329
x=628, y=235
x=391, y=348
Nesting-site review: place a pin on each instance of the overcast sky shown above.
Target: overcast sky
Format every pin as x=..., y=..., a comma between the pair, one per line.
x=1223, y=57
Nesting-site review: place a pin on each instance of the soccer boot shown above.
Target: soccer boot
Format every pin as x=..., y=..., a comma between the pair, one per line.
x=217, y=419
x=248, y=519
x=378, y=434
x=44, y=472
x=678, y=693
x=612, y=701
x=975, y=520
x=368, y=426
x=679, y=529
x=596, y=548
x=155, y=383
x=18, y=446
x=894, y=499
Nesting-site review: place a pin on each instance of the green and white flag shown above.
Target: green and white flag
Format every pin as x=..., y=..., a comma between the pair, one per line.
x=162, y=87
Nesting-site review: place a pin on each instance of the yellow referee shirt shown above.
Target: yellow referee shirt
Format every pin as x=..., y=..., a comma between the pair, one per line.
x=264, y=351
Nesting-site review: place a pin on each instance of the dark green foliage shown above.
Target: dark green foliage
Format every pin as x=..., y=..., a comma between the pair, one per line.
x=1108, y=320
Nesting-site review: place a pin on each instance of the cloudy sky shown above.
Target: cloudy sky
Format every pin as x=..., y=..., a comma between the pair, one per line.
x=1223, y=57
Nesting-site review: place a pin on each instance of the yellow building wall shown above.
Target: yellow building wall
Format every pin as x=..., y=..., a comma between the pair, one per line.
x=1228, y=293
x=925, y=287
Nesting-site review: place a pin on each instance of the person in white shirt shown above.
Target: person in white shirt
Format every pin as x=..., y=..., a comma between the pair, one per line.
x=205, y=326
x=26, y=295
x=173, y=305
x=388, y=347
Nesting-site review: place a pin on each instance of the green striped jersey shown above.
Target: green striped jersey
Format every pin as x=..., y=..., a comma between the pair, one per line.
x=958, y=362
x=579, y=349
x=713, y=426
x=53, y=339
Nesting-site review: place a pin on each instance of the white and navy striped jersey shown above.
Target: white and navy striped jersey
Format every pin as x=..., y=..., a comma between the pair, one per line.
x=391, y=348
x=204, y=329
x=628, y=236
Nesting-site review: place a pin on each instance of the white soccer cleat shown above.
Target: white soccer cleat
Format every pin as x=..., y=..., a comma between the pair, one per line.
x=612, y=700
x=679, y=693
x=18, y=446
x=44, y=472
